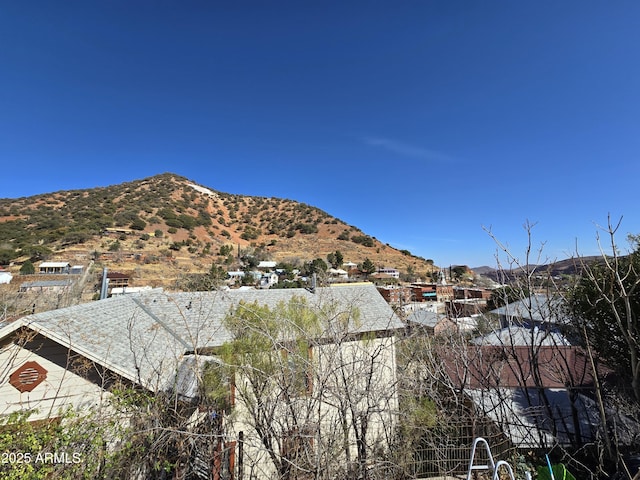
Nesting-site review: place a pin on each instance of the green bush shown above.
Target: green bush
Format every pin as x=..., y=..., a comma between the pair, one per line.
x=307, y=228
x=365, y=240
x=138, y=224
x=27, y=268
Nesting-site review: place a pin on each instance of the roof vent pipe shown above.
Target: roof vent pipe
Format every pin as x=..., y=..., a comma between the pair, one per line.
x=104, y=285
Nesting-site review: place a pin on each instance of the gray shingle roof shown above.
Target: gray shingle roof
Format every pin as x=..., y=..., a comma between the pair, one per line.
x=145, y=336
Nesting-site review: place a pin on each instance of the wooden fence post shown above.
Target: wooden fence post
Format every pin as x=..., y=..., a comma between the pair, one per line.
x=240, y=454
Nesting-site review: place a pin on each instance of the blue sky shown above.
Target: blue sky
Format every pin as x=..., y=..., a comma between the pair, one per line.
x=422, y=123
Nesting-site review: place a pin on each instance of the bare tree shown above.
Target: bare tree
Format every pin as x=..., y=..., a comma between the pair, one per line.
x=605, y=304
x=320, y=399
x=597, y=314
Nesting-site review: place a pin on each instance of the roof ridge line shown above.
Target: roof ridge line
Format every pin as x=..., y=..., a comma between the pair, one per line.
x=162, y=323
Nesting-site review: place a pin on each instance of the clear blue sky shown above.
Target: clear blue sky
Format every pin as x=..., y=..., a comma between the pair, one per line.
x=419, y=122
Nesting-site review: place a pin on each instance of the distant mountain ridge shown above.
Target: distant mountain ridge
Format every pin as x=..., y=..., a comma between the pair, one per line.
x=169, y=217
x=568, y=266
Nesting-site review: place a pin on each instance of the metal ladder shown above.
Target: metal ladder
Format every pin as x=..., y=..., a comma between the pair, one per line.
x=491, y=465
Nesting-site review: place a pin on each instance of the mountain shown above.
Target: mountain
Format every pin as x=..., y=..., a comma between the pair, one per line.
x=569, y=266
x=166, y=225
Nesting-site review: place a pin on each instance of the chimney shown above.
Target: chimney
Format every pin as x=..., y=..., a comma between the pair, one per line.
x=105, y=284
x=314, y=281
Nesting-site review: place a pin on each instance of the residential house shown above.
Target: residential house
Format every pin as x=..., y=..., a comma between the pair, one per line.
x=538, y=397
x=266, y=265
x=54, y=267
x=267, y=280
x=5, y=276
x=236, y=274
x=528, y=378
x=76, y=270
x=391, y=272
x=338, y=273
x=118, y=280
x=521, y=336
x=383, y=279
x=160, y=341
x=41, y=286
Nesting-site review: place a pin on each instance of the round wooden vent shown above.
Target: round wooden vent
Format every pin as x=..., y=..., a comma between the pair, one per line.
x=28, y=377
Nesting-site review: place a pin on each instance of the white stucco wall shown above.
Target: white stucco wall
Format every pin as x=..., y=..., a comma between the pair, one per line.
x=60, y=390
x=350, y=378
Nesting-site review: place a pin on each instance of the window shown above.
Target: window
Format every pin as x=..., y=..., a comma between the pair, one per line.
x=28, y=377
x=298, y=360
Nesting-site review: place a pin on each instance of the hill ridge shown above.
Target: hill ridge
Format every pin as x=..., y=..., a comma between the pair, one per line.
x=181, y=223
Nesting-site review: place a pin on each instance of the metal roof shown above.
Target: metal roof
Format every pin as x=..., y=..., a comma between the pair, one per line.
x=426, y=318
x=54, y=264
x=46, y=283
x=525, y=420
x=537, y=308
x=522, y=336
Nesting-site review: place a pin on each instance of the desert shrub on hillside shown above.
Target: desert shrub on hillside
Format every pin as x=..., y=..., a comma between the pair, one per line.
x=364, y=240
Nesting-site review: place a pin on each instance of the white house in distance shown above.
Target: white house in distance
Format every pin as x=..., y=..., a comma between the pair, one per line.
x=161, y=341
x=338, y=273
x=54, y=267
x=267, y=265
x=5, y=276
x=392, y=272
x=269, y=279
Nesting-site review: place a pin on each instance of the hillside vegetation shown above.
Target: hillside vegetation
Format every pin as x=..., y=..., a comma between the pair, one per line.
x=166, y=225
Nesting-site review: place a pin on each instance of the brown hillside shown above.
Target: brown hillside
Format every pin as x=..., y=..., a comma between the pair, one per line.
x=164, y=226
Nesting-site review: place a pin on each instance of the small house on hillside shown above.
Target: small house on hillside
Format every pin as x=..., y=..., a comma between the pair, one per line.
x=5, y=277
x=42, y=286
x=54, y=267
x=391, y=272
x=76, y=270
x=338, y=273
x=267, y=265
x=236, y=274
x=118, y=279
x=267, y=280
